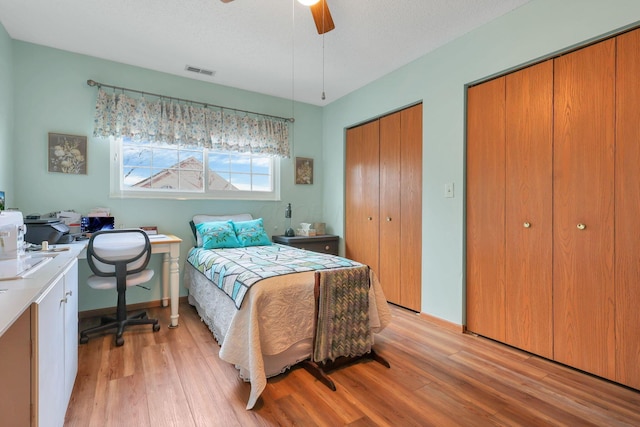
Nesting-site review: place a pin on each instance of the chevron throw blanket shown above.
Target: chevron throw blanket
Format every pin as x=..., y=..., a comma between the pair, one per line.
x=235, y=270
x=343, y=327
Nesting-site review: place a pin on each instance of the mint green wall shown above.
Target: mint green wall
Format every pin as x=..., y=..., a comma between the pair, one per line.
x=6, y=117
x=51, y=95
x=535, y=30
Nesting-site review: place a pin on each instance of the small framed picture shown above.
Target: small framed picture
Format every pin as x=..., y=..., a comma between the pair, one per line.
x=304, y=170
x=2, y=202
x=67, y=154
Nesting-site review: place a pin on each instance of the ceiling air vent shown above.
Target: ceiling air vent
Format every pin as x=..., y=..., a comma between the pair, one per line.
x=200, y=70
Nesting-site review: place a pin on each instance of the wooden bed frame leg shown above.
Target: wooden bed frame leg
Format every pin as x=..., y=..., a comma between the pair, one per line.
x=315, y=370
x=375, y=356
x=319, y=373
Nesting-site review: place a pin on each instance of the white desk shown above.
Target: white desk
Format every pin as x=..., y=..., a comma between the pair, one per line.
x=169, y=245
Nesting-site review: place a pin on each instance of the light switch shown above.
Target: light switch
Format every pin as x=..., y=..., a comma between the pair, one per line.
x=448, y=190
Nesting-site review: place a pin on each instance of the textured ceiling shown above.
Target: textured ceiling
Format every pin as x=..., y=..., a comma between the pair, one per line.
x=258, y=45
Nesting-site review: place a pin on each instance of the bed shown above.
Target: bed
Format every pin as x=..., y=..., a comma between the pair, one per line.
x=267, y=327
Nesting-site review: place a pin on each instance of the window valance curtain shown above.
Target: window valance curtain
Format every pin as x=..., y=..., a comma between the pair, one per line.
x=173, y=122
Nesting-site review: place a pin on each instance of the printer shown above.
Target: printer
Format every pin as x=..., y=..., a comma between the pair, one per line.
x=53, y=230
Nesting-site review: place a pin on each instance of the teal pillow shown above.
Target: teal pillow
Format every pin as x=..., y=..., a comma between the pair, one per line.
x=251, y=233
x=218, y=235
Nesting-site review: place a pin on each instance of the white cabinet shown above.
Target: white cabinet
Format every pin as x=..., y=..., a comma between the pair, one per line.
x=55, y=360
x=70, y=330
x=39, y=342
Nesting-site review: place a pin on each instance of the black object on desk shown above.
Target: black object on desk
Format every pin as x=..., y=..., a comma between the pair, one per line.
x=287, y=214
x=325, y=243
x=51, y=230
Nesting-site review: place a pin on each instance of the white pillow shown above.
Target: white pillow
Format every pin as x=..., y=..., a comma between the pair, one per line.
x=200, y=218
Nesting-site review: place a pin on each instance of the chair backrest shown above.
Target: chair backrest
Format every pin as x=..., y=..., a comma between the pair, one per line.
x=112, y=253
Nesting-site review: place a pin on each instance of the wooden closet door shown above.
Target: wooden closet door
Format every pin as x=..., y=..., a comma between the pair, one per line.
x=627, y=210
x=529, y=207
x=411, y=207
x=485, y=225
x=583, y=209
x=390, y=218
x=362, y=185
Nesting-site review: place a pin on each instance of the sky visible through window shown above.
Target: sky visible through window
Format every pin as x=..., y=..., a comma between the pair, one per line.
x=244, y=172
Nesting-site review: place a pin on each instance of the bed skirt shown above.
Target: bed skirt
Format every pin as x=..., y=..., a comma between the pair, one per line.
x=274, y=328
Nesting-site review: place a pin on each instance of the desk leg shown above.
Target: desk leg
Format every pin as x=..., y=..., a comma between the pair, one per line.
x=174, y=279
x=165, y=280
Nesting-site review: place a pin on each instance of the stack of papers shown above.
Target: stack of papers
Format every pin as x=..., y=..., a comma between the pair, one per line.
x=100, y=212
x=69, y=217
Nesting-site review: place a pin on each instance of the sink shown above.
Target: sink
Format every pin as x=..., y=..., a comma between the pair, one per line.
x=18, y=268
x=43, y=254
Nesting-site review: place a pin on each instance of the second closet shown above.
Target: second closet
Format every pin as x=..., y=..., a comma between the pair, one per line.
x=553, y=190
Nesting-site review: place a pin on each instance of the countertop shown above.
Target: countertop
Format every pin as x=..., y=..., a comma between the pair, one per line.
x=17, y=295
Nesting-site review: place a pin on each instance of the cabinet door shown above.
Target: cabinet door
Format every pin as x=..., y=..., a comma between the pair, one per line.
x=627, y=272
x=411, y=207
x=70, y=329
x=15, y=373
x=583, y=209
x=49, y=356
x=529, y=207
x=390, y=214
x=486, y=209
x=362, y=184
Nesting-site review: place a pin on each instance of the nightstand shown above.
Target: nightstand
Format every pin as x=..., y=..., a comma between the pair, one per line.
x=326, y=243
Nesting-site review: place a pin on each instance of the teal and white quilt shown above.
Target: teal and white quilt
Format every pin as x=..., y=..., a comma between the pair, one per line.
x=235, y=270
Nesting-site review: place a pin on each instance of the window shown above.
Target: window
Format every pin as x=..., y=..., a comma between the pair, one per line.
x=146, y=170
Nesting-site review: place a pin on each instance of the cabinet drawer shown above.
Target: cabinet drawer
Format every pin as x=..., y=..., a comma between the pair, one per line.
x=328, y=247
x=327, y=244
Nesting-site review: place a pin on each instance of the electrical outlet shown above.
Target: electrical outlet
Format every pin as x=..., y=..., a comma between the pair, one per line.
x=448, y=190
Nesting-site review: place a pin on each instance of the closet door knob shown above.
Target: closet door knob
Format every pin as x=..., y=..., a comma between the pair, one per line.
x=527, y=225
x=581, y=226
x=388, y=218
x=369, y=218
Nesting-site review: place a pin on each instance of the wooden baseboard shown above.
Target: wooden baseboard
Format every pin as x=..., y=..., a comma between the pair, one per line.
x=442, y=323
x=130, y=307
x=434, y=320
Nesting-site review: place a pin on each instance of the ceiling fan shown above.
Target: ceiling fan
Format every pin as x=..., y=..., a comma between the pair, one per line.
x=319, y=10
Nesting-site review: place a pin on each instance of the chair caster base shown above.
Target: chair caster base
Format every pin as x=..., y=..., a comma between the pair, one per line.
x=119, y=327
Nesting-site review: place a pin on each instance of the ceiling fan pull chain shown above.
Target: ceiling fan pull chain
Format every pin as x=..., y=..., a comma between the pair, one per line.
x=323, y=97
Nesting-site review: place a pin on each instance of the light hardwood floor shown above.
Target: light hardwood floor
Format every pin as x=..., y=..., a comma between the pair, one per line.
x=438, y=377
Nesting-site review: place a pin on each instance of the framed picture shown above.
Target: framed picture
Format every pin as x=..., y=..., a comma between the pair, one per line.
x=2, y=201
x=304, y=170
x=67, y=153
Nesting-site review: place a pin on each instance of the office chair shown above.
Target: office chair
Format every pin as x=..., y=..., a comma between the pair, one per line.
x=118, y=259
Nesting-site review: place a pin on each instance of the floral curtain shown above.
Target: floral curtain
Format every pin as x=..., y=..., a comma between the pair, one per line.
x=172, y=122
